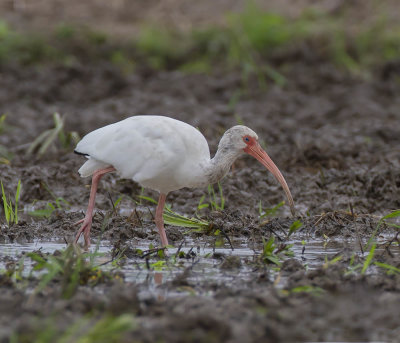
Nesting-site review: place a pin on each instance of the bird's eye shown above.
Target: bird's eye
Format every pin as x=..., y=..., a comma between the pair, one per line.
x=247, y=139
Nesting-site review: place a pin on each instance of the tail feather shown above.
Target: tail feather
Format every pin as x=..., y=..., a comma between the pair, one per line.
x=90, y=166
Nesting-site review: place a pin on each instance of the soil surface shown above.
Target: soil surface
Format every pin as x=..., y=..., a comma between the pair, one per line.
x=334, y=136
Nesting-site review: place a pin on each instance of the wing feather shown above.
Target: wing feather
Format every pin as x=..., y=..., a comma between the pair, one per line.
x=147, y=148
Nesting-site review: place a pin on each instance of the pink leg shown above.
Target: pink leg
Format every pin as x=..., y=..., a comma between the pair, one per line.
x=87, y=221
x=160, y=220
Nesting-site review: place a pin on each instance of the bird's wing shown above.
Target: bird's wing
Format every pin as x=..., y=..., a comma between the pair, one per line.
x=143, y=147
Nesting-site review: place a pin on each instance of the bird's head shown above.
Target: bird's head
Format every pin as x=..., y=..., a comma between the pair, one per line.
x=237, y=138
x=241, y=139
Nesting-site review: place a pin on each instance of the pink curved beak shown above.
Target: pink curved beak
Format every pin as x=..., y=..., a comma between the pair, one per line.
x=257, y=152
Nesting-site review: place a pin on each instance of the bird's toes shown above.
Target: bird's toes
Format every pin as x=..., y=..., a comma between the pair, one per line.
x=79, y=222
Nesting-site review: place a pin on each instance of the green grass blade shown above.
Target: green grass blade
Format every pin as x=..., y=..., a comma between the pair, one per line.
x=5, y=204
x=393, y=214
x=294, y=227
x=368, y=260
x=382, y=221
x=388, y=267
x=17, y=193
x=200, y=206
x=11, y=212
x=143, y=197
x=173, y=218
x=273, y=259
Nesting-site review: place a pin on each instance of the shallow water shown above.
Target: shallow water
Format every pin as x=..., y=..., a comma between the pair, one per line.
x=202, y=263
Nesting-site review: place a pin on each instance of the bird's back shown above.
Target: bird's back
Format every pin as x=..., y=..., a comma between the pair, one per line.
x=158, y=152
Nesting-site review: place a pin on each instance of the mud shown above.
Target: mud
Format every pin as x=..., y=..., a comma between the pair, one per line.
x=334, y=136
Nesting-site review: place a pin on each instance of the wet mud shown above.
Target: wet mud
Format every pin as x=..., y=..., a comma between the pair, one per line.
x=335, y=138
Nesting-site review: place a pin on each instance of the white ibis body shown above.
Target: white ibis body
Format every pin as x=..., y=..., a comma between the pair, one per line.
x=164, y=154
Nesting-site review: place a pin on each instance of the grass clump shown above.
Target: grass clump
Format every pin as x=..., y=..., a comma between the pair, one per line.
x=173, y=218
x=10, y=208
x=274, y=253
x=71, y=267
x=215, y=203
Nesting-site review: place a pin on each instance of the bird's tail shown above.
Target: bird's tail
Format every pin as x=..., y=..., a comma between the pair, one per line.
x=90, y=166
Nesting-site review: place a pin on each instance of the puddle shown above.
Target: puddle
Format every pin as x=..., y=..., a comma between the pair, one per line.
x=204, y=267
x=205, y=263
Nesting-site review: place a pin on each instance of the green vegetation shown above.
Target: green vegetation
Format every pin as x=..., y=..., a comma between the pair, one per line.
x=71, y=267
x=331, y=262
x=10, y=208
x=317, y=291
x=368, y=260
x=214, y=203
x=173, y=218
x=385, y=220
x=274, y=253
x=248, y=42
x=294, y=227
x=48, y=137
x=389, y=268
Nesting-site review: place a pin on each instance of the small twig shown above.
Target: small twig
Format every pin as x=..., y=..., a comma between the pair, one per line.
x=137, y=217
x=351, y=209
x=279, y=237
x=151, y=213
x=356, y=226
x=112, y=203
x=281, y=248
x=179, y=248
x=152, y=251
x=322, y=216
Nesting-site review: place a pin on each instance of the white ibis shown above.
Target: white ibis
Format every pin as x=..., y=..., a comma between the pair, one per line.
x=164, y=154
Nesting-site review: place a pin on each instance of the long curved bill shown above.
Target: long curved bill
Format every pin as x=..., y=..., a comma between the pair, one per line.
x=257, y=152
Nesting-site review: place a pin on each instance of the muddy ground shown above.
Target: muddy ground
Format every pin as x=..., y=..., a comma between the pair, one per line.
x=334, y=136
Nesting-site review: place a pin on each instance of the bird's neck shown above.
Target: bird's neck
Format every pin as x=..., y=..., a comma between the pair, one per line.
x=219, y=166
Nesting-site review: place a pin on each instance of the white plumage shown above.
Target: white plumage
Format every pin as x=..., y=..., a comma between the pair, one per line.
x=157, y=152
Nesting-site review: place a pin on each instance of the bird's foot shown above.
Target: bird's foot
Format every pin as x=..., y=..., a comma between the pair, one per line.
x=85, y=229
